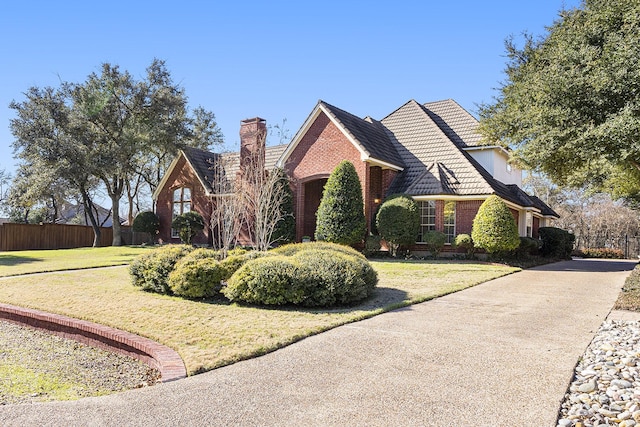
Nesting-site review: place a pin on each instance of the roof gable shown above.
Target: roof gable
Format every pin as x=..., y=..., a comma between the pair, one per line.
x=456, y=122
x=367, y=136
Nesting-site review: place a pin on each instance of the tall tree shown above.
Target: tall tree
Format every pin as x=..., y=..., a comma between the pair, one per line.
x=570, y=104
x=126, y=118
x=48, y=136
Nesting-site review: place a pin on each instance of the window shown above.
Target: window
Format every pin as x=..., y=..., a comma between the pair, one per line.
x=529, y=222
x=450, y=221
x=427, y=218
x=181, y=204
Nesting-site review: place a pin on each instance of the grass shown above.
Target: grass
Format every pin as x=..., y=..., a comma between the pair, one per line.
x=215, y=333
x=26, y=262
x=629, y=298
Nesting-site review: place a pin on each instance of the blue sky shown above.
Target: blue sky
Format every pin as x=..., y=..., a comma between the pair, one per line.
x=271, y=59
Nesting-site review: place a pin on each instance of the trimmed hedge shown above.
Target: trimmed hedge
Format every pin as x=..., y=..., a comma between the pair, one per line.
x=151, y=270
x=308, y=274
x=465, y=242
x=609, y=253
x=556, y=242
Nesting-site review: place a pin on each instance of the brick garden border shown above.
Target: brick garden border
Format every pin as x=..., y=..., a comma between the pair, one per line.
x=155, y=355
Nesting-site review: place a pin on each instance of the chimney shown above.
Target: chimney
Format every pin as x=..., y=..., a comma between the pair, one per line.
x=253, y=134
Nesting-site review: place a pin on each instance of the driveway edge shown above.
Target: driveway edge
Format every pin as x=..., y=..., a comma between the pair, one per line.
x=155, y=355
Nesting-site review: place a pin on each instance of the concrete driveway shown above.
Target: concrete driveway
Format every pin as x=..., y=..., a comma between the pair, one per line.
x=501, y=353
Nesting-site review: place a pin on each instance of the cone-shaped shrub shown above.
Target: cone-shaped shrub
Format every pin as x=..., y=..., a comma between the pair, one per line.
x=340, y=217
x=494, y=228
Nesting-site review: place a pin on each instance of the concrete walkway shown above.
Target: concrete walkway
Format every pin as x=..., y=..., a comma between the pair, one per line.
x=501, y=353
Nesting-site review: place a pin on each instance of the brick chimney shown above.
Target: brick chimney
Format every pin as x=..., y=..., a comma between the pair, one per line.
x=253, y=134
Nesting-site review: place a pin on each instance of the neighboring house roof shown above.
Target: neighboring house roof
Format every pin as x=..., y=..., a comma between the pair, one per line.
x=70, y=213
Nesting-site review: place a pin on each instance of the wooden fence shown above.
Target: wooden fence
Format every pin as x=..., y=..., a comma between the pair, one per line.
x=17, y=237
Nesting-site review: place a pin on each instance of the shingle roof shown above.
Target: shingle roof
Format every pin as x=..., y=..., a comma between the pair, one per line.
x=369, y=133
x=421, y=143
x=205, y=162
x=456, y=122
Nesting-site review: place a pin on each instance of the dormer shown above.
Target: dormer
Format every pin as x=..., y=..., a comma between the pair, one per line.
x=495, y=160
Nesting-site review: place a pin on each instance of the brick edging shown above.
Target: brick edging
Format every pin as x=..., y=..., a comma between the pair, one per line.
x=156, y=355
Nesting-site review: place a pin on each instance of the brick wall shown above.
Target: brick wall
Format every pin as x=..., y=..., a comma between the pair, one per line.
x=466, y=211
x=183, y=176
x=319, y=151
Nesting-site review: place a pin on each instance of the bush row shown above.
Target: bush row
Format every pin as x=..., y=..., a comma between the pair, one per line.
x=310, y=274
x=599, y=253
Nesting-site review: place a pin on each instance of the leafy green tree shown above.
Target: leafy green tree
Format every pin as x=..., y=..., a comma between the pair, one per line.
x=340, y=217
x=398, y=222
x=571, y=100
x=49, y=138
x=147, y=222
x=285, y=228
x=188, y=225
x=494, y=228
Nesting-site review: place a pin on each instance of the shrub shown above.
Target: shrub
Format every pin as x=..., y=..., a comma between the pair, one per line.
x=151, y=270
x=371, y=245
x=494, y=228
x=294, y=248
x=270, y=280
x=398, y=222
x=202, y=253
x=199, y=278
x=340, y=216
x=318, y=274
x=233, y=262
x=146, y=222
x=435, y=241
x=602, y=253
x=556, y=242
x=528, y=246
x=188, y=225
x=465, y=242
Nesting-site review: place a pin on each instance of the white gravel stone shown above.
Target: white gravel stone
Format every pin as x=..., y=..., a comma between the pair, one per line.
x=606, y=386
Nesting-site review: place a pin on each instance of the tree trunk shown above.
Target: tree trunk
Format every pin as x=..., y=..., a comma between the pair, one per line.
x=88, y=212
x=115, y=215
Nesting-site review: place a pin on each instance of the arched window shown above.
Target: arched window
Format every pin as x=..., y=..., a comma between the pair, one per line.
x=181, y=204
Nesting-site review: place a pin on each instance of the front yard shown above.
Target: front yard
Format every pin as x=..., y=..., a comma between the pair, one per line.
x=215, y=333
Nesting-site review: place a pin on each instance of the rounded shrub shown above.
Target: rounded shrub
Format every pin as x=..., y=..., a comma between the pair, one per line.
x=398, y=221
x=321, y=274
x=294, y=248
x=199, y=278
x=188, y=225
x=151, y=270
x=435, y=241
x=465, y=242
x=494, y=228
x=201, y=253
x=146, y=222
x=233, y=262
x=270, y=280
x=372, y=245
x=340, y=216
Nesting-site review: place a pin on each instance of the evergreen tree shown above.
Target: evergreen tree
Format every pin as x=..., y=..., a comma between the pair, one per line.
x=340, y=217
x=398, y=222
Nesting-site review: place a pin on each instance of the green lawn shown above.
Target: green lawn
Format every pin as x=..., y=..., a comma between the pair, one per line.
x=211, y=334
x=25, y=262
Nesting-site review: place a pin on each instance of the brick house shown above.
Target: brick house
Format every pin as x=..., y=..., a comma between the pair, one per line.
x=429, y=151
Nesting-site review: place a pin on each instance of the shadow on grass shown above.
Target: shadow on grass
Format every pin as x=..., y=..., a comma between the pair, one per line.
x=12, y=260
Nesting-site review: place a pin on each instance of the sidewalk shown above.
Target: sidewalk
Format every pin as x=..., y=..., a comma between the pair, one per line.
x=501, y=353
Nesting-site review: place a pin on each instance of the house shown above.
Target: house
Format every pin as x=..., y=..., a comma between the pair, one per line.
x=430, y=151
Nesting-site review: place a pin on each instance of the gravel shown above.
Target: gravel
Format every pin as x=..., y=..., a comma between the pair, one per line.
x=37, y=366
x=606, y=386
